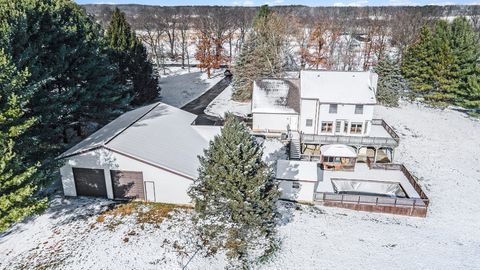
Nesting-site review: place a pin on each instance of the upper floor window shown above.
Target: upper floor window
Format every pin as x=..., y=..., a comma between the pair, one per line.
x=358, y=109
x=356, y=128
x=309, y=122
x=327, y=127
x=333, y=108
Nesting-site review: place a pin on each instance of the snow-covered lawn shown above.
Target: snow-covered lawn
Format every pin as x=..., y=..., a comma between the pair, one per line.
x=442, y=148
x=223, y=103
x=180, y=86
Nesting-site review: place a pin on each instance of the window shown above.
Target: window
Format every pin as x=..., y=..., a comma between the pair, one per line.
x=358, y=109
x=327, y=127
x=328, y=159
x=309, y=122
x=338, y=126
x=333, y=108
x=345, y=127
x=356, y=128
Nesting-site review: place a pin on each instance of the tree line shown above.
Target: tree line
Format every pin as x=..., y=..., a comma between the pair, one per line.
x=62, y=77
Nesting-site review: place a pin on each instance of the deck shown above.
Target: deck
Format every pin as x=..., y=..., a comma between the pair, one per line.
x=415, y=204
x=381, y=135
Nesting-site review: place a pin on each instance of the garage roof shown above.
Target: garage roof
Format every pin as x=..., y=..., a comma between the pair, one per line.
x=275, y=96
x=159, y=134
x=298, y=170
x=342, y=87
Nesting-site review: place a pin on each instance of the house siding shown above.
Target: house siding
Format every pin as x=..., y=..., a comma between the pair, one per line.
x=280, y=122
x=170, y=187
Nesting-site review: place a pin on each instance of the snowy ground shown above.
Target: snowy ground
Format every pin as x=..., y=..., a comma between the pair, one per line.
x=223, y=103
x=440, y=147
x=180, y=86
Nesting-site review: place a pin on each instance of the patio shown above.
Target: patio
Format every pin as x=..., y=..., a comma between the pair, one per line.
x=373, y=187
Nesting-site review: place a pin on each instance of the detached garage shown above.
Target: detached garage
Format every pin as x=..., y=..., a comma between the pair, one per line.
x=146, y=154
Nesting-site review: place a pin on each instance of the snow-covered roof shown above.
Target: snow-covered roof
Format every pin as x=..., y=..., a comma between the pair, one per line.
x=275, y=96
x=297, y=170
x=338, y=150
x=343, y=87
x=159, y=134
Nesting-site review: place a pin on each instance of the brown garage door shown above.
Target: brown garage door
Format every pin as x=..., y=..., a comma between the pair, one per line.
x=90, y=182
x=127, y=185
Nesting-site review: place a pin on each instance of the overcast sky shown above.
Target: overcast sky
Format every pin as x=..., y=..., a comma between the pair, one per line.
x=282, y=2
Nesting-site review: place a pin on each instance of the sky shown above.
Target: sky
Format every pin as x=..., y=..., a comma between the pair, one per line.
x=284, y=2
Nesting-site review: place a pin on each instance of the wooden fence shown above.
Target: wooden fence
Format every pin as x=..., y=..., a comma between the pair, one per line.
x=400, y=206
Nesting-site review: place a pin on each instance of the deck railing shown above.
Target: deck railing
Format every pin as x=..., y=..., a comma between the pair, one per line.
x=393, y=166
x=404, y=206
x=392, y=141
x=371, y=200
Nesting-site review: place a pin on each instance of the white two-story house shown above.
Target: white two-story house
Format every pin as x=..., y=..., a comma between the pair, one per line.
x=337, y=103
x=323, y=107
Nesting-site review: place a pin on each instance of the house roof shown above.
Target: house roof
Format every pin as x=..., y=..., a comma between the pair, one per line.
x=297, y=170
x=275, y=96
x=338, y=150
x=159, y=134
x=339, y=86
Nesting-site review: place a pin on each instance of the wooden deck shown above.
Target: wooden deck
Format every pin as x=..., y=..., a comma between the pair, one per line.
x=392, y=140
x=400, y=206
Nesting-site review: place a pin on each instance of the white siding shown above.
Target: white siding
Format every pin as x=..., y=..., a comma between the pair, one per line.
x=274, y=122
x=308, y=110
x=169, y=187
x=304, y=192
x=344, y=112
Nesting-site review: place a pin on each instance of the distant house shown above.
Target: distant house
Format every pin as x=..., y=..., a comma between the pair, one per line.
x=148, y=154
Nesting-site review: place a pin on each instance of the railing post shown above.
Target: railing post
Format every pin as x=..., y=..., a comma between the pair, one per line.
x=414, y=201
x=376, y=201
x=395, y=202
x=342, y=199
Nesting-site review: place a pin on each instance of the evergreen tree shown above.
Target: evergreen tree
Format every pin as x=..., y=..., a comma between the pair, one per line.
x=66, y=57
x=390, y=82
x=245, y=69
x=442, y=66
x=264, y=54
x=235, y=197
x=466, y=53
x=17, y=188
x=417, y=64
x=128, y=52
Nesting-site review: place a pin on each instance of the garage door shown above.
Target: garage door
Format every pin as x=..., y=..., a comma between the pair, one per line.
x=90, y=182
x=127, y=185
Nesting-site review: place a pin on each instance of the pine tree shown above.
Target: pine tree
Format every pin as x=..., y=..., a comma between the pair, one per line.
x=417, y=64
x=128, y=52
x=235, y=197
x=66, y=58
x=245, y=69
x=442, y=66
x=390, y=82
x=466, y=53
x=264, y=55
x=17, y=188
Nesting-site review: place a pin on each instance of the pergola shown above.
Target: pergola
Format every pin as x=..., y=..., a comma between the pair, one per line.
x=338, y=157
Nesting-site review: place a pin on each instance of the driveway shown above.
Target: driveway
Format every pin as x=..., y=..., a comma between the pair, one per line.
x=199, y=105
